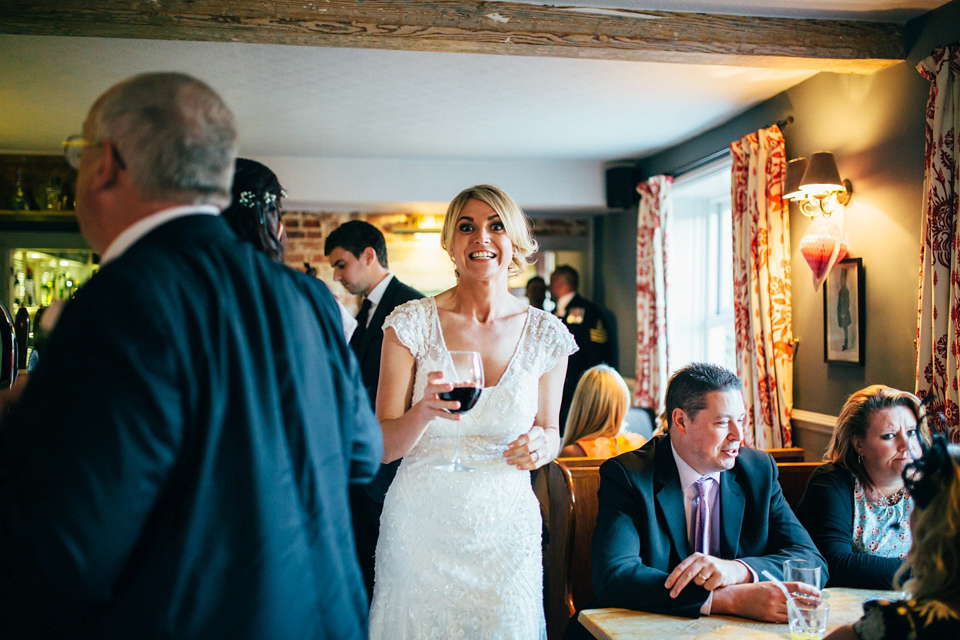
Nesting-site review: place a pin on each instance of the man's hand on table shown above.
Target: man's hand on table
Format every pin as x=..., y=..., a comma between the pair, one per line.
x=758, y=600
x=707, y=571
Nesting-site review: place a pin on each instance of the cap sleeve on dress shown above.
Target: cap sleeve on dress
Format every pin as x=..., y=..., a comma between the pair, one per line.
x=410, y=322
x=553, y=340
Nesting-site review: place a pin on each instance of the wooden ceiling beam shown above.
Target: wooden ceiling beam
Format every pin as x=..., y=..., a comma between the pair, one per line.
x=477, y=27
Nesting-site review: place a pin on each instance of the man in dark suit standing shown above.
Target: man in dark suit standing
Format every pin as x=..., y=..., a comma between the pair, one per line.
x=178, y=463
x=357, y=251
x=585, y=320
x=688, y=523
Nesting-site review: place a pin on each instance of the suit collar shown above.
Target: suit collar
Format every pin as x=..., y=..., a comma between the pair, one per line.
x=669, y=496
x=379, y=314
x=129, y=236
x=732, y=504
x=376, y=294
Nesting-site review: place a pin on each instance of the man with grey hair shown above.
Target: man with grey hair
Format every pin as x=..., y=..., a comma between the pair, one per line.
x=178, y=464
x=688, y=523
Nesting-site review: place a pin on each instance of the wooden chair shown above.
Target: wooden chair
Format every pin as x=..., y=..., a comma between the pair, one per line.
x=793, y=479
x=572, y=485
x=787, y=454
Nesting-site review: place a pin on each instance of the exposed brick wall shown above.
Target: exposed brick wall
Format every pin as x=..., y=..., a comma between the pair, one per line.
x=306, y=233
x=303, y=242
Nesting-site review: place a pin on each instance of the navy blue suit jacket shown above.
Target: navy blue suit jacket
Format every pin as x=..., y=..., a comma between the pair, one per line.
x=641, y=530
x=178, y=465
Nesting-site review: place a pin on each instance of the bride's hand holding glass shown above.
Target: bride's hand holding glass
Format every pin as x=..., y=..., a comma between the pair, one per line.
x=530, y=451
x=431, y=405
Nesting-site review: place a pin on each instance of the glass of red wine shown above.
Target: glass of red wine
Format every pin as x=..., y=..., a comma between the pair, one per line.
x=465, y=371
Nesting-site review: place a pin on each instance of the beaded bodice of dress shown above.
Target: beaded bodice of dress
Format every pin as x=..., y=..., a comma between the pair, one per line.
x=504, y=411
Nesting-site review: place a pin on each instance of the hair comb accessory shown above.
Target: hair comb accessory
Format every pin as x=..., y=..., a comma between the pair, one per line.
x=924, y=477
x=249, y=198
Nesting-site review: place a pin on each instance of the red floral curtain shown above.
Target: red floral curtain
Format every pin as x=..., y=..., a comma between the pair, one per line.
x=654, y=212
x=938, y=334
x=761, y=280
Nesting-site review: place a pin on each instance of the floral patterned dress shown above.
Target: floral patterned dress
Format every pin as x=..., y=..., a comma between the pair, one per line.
x=882, y=528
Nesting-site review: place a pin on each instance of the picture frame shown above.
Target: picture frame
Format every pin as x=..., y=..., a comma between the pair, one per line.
x=844, y=318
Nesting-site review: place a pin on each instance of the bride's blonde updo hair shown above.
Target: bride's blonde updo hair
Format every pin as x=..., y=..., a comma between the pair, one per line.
x=515, y=223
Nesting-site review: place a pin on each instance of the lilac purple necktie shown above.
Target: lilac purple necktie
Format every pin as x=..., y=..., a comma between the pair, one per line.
x=701, y=542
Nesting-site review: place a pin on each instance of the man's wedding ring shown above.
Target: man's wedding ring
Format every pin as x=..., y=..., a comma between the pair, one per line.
x=537, y=454
x=701, y=576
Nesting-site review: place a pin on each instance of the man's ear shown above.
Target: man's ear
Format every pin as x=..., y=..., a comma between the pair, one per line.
x=680, y=420
x=108, y=168
x=368, y=256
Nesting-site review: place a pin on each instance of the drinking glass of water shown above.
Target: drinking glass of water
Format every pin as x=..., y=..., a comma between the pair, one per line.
x=808, y=621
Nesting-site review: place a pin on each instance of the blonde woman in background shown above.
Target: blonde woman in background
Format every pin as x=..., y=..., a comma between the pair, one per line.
x=597, y=414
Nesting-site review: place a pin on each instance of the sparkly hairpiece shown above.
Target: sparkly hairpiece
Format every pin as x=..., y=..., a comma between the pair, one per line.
x=924, y=477
x=249, y=198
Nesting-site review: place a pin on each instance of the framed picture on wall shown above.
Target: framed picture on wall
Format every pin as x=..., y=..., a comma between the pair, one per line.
x=844, y=322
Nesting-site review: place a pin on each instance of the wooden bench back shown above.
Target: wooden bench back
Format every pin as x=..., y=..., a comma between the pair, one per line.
x=793, y=479
x=786, y=454
x=572, y=485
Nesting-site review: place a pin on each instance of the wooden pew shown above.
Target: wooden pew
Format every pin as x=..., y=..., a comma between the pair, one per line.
x=793, y=479
x=787, y=454
x=572, y=485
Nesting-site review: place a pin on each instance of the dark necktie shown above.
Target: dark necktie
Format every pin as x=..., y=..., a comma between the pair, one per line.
x=362, y=318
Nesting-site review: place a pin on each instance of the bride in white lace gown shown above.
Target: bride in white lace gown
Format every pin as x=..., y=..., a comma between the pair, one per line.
x=459, y=553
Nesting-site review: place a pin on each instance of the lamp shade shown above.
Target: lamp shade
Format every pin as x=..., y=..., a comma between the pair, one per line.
x=791, y=183
x=822, y=174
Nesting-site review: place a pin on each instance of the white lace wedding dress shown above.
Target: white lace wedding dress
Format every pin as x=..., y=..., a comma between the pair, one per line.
x=459, y=553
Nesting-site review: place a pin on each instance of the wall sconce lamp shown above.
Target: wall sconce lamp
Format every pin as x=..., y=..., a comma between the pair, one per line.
x=815, y=185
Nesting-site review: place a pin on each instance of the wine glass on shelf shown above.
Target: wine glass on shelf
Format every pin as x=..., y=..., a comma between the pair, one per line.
x=465, y=371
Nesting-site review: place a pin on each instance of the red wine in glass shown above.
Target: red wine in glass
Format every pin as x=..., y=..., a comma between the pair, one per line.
x=466, y=396
x=465, y=370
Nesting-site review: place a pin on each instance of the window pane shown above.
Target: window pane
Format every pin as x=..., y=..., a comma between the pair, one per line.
x=700, y=320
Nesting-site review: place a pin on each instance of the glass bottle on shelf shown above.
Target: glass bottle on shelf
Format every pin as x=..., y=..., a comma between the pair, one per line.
x=21, y=326
x=54, y=192
x=28, y=288
x=20, y=199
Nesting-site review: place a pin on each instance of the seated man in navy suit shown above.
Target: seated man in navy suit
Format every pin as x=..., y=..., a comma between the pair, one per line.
x=687, y=523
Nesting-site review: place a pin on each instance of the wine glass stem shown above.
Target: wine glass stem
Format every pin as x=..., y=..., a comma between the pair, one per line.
x=456, y=444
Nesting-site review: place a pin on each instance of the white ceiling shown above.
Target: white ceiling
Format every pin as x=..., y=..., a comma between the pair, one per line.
x=321, y=103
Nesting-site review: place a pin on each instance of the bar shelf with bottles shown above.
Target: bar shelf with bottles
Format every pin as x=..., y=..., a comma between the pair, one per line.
x=38, y=278
x=37, y=193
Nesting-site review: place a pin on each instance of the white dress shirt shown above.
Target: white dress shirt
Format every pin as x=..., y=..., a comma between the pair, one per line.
x=376, y=295
x=688, y=483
